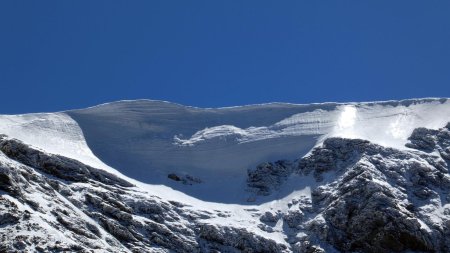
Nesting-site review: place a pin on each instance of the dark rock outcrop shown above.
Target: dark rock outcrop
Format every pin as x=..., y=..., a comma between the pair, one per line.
x=376, y=198
x=237, y=240
x=59, y=166
x=268, y=177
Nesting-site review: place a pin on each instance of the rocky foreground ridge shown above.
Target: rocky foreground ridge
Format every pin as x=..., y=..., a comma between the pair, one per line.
x=364, y=198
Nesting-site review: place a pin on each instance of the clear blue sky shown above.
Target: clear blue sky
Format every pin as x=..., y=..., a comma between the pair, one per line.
x=57, y=55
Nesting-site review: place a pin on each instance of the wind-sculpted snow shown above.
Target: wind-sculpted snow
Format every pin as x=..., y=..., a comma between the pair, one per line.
x=218, y=146
x=313, y=123
x=55, y=133
x=149, y=140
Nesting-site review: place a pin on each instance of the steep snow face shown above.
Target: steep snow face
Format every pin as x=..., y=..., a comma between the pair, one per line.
x=148, y=140
x=55, y=133
x=210, y=150
x=389, y=124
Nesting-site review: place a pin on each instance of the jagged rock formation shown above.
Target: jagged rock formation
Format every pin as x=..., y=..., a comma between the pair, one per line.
x=268, y=177
x=69, y=206
x=364, y=198
x=371, y=198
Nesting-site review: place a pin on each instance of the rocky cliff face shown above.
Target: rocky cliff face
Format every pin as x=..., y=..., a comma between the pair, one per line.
x=379, y=200
x=364, y=198
x=50, y=203
x=370, y=198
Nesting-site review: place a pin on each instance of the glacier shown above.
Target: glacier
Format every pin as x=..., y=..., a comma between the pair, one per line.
x=237, y=171
x=146, y=140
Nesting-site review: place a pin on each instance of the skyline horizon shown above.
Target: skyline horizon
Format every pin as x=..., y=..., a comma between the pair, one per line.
x=424, y=99
x=59, y=55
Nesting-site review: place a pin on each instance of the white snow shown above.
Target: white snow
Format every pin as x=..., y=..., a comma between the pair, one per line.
x=146, y=140
x=143, y=141
x=388, y=124
x=55, y=133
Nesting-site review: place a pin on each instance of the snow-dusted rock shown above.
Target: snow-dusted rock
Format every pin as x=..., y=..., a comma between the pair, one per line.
x=268, y=177
x=381, y=199
x=294, y=218
x=367, y=198
x=237, y=240
x=64, y=205
x=270, y=217
x=64, y=168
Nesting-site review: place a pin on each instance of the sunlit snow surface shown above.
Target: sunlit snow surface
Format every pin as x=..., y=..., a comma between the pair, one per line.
x=387, y=124
x=143, y=141
x=146, y=140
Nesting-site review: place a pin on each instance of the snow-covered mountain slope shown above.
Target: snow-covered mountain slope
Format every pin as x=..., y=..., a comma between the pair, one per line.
x=149, y=140
x=346, y=195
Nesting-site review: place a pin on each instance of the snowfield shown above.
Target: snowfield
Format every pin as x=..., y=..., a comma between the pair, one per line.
x=206, y=158
x=147, y=140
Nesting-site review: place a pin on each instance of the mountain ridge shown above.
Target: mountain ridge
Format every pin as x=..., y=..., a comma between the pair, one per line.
x=391, y=101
